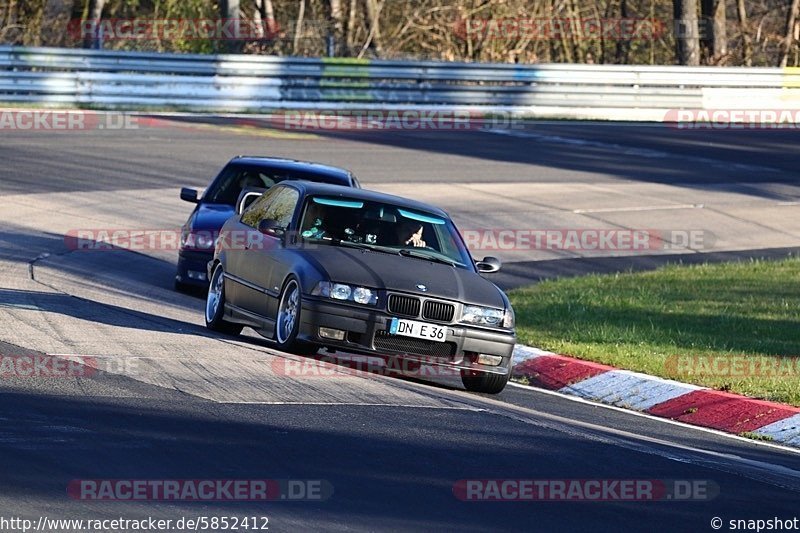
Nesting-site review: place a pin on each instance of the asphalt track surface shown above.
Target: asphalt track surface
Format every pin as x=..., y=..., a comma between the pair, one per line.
x=177, y=402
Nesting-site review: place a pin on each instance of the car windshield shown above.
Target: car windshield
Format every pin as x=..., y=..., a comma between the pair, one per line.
x=383, y=227
x=226, y=189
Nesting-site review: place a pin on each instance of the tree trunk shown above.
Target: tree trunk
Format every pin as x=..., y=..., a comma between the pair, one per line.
x=265, y=19
x=373, y=23
x=687, y=39
x=230, y=10
x=338, y=24
x=788, y=39
x=298, y=28
x=351, y=26
x=747, y=41
x=623, y=45
x=95, y=13
x=55, y=18
x=715, y=40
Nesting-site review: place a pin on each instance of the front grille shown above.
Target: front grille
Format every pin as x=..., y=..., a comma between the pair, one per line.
x=411, y=346
x=404, y=305
x=438, y=311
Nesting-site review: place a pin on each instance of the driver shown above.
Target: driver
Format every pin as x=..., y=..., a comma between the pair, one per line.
x=410, y=234
x=248, y=179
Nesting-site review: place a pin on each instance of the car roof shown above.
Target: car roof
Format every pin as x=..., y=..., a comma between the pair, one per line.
x=335, y=173
x=314, y=188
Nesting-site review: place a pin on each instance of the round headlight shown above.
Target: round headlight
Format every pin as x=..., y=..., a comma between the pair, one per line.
x=340, y=291
x=204, y=239
x=492, y=317
x=362, y=295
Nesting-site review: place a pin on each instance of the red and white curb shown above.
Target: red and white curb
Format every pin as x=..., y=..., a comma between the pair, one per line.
x=659, y=397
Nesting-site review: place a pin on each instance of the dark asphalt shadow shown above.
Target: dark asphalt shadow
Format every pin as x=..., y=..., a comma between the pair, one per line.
x=96, y=312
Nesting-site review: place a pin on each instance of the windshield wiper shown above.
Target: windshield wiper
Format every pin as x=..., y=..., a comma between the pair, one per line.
x=422, y=255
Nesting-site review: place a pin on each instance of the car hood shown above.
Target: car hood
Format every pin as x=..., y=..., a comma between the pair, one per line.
x=210, y=217
x=398, y=273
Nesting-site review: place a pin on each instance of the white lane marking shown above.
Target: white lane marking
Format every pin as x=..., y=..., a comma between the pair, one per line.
x=632, y=390
x=788, y=203
x=638, y=208
x=365, y=404
x=653, y=418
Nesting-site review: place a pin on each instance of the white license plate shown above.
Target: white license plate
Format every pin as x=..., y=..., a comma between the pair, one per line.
x=419, y=330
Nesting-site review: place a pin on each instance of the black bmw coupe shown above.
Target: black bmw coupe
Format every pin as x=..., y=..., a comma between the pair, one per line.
x=313, y=265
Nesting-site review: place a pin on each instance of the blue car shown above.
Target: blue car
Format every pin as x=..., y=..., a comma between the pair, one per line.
x=241, y=181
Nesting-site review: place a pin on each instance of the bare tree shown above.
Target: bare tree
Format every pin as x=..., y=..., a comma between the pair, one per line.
x=714, y=38
x=350, y=39
x=373, y=23
x=264, y=17
x=298, y=26
x=788, y=38
x=95, y=13
x=337, y=22
x=687, y=40
x=622, y=45
x=747, y=40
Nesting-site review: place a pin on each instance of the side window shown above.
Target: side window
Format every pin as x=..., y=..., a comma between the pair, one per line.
x=278, y=204
x=234, y=178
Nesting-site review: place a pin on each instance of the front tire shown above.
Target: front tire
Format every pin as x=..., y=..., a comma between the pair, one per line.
x=287, y=322
x=484, y=382
x=215, y=305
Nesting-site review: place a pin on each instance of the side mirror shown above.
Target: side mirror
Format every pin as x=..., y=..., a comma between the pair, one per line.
x=271, y=227
x=247, y=197
x=488, y=265
x=189, y=195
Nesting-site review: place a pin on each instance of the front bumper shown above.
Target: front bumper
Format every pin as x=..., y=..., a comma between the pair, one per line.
x=365, y=333
x=193, y=267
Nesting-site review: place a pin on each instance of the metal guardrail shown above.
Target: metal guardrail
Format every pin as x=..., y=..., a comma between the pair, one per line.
x=246, y=83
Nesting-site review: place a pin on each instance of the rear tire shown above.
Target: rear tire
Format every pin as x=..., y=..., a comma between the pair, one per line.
x=287, y=321
x=484, y=382
x=215, y=305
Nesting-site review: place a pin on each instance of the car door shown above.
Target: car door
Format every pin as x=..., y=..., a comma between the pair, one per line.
x=255, y=264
